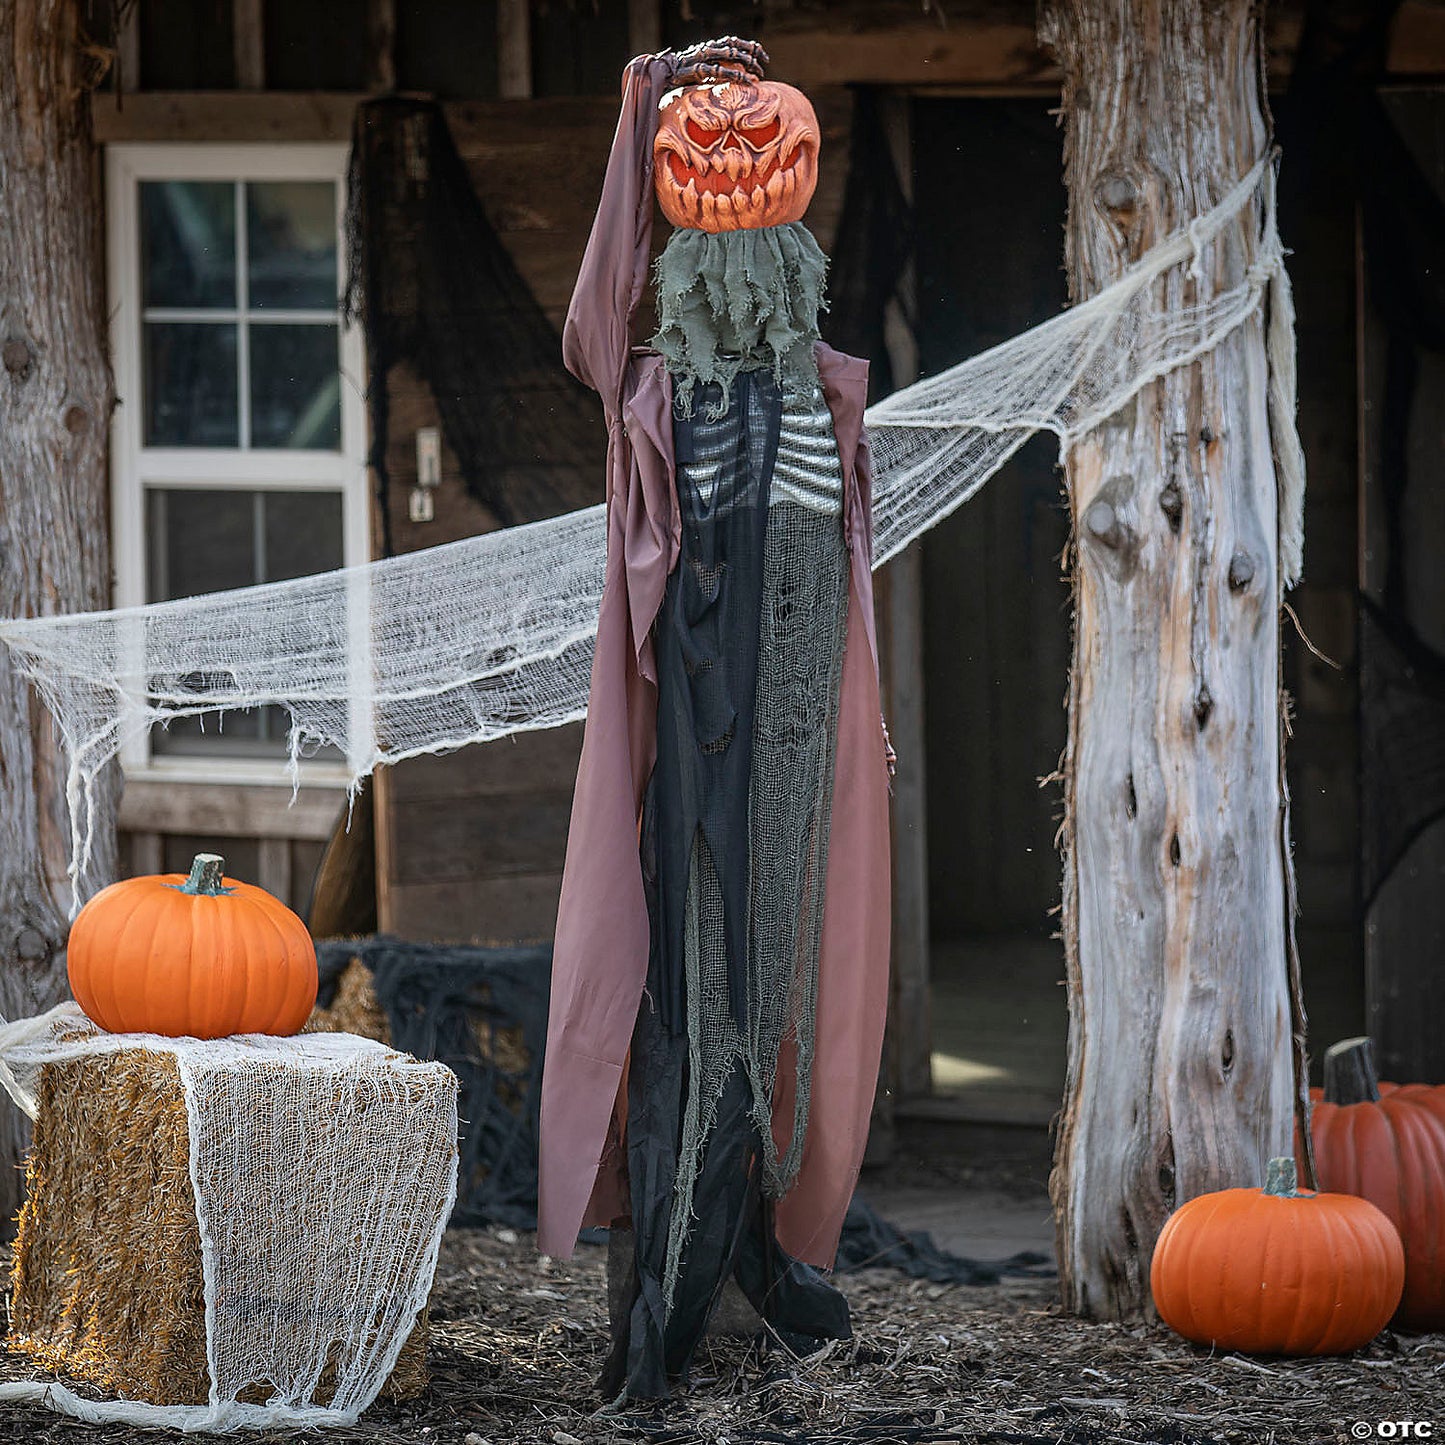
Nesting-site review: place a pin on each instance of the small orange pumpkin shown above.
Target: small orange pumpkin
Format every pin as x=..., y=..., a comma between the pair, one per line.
x=735, y=157
x=201, y=957
x=1276, y=1271
x=1386, y=1143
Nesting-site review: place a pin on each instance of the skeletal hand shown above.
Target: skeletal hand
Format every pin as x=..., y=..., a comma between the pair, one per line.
x=727, y=58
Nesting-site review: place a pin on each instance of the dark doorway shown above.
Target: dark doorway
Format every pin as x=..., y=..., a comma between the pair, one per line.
x=1402, y=623
x=990, y=201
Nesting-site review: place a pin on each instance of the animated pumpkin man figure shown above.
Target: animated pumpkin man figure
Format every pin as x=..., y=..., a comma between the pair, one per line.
x=720, y=973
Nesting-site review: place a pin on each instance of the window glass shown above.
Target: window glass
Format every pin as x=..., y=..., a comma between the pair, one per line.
x=188, y=243
x=190, y=385
x=214, y=539
x=241, y=342
x=291, y=244
x=295, y=387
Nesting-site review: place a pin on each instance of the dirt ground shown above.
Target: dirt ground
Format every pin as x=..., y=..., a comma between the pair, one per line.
x=517, y=1340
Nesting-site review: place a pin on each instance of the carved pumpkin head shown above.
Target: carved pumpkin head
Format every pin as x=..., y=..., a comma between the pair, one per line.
x=735, y=157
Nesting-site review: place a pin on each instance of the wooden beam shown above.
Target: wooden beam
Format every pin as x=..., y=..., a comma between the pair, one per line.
x=226, y=810
x=227, y=116
x=273, y=868
x=986, y=53
x=644, y=27
x=127, y=47
x=1002, y=56
x=381, y=46
x=902, y=649
x=248, y=36
x=382, y=822
x=514, y=49
x=1417, y=40
x=147, y=857
x=903, y=653
x=1181, y=1076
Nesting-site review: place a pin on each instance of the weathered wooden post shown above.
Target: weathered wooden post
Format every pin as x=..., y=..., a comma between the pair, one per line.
x=1176, y=889
x=55, y=400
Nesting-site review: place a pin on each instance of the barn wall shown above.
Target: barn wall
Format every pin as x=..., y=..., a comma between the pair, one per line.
x=538, y=165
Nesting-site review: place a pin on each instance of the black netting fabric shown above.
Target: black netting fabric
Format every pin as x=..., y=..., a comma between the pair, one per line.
x=483, y=1013
x=435, y=288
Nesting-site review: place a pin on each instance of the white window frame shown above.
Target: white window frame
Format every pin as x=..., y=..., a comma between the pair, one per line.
x=133, y=465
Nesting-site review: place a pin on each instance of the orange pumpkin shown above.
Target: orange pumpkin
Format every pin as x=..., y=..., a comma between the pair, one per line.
x=1276, y=1271
x=735, y=157
x=202, y=957
x=1386, y=1143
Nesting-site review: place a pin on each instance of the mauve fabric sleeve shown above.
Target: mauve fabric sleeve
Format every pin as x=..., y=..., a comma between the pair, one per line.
x=597, y=336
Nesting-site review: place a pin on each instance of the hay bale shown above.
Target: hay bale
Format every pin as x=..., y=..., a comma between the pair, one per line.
x=354, y=1007
x=106, y=1282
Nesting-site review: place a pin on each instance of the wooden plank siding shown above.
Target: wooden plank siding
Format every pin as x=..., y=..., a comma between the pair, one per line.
x=265, y=838
x=471, y=845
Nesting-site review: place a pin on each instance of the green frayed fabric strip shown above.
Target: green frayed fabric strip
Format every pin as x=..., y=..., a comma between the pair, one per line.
x=739, y=301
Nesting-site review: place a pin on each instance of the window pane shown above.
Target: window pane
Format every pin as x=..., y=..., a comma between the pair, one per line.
x=200, y=541
x=291, y=244
x=190, y=384
x=188, y=243
x=295, y=387
x=211, y=540
x=303, y=533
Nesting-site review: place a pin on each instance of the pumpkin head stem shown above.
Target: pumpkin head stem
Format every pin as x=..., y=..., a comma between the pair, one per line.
x=207, y=875
x=1350, y=1076
x=1281, y=1178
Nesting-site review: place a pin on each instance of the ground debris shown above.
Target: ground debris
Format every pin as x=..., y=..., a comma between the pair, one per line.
x=517, y=1342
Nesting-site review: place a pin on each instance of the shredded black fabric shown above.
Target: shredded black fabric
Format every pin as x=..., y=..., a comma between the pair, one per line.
x=870, y=1242
x=696, y=822
x=707, y=649
x=471, y=1008
x=732, y=1237
x=435, y=288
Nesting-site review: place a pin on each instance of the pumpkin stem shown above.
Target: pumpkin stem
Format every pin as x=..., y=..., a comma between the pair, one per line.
x=208, y=874
x=1281, y=1178
x=1350, y=1076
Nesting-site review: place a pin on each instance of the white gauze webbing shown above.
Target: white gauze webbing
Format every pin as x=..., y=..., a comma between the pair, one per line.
x=493, y=635
x=324, y=1168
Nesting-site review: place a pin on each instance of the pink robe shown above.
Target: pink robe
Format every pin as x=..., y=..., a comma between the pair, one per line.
x=602, y=939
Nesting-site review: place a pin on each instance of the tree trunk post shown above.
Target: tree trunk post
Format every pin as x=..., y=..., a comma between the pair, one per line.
x=1175, y=896
x=55, y=402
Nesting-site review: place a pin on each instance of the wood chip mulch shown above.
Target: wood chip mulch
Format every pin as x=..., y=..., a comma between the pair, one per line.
x=517, y=1341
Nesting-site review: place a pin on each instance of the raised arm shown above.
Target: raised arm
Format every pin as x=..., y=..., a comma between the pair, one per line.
x=597, y=337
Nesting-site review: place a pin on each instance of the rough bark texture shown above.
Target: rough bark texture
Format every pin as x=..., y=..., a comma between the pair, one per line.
x=55, y=400
x=1175, y=861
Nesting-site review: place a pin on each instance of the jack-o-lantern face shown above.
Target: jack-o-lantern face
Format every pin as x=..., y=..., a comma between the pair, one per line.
x=735, y=157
